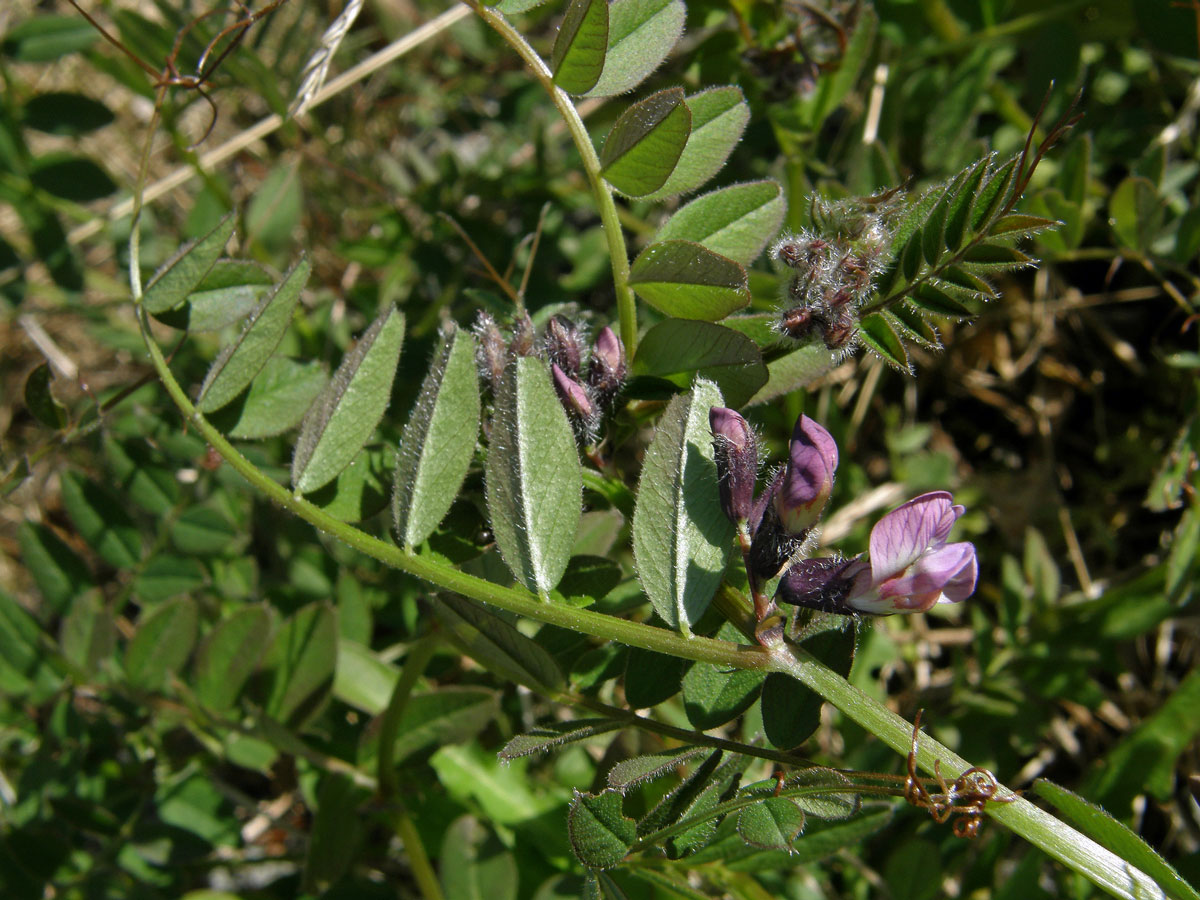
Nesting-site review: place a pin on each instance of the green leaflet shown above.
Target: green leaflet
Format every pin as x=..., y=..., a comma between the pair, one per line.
x=534, y=484
x=688, y=281
x=497, y=645
x=40, y=401
x=338, y=425
x=439, y=440
x=646, y=142
x=735, y=221
x=58, y=572
x=578, y=56
x=300, y=665
x=336, y=833
x=600, y=833
x=238, y=363
x=719, y=116
x=88, y=634
x=162, y=644
x=229, y=655
x=629, y=773
x=681, y=538
x=167, y=575
x=772, y=824
x=475, y=865
x=877, y=335
x=360, y=489
x=276, y=402
x=640, y=35
x=686, y=347
x=101, y=520
x=714, y=695
x=554, y=735
x=179, y=276
x=1115, y=836
x=227, y=294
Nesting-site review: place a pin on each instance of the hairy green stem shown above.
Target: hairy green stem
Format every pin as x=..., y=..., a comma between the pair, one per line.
x=609, y=218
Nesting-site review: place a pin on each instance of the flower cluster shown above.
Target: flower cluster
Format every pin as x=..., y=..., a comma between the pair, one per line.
x=909, y=568
x=588, y=397
x=836, y=269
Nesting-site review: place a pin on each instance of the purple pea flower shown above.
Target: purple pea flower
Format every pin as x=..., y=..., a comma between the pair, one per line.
x=736, y=453
x=808, y=479
x=910, y=567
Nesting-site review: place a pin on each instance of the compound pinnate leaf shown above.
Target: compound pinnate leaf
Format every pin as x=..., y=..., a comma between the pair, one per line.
x=229, y=655
x=556, y=734
x=689, y=281
x=278, y=398
x=640, y=35
x=439, y=440
x=646, y=142
x=772, y=824
x=681, y=538
x=735, y=221
x=345, y=415
x=179, y=276
x=162, y=644
x=236, y=365
x=534, y=484
x=1117, y=837
x=600, y=833
x=719, y=116
x=683, y=347
x=578, y=55
x=101, y=521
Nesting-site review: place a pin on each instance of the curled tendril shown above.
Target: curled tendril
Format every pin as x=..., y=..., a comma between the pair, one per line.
x=210, y=60
x=967, y=796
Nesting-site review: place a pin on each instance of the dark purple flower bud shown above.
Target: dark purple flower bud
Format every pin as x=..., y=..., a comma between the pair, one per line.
x=808, y=479
x=607, y=372
x=575, y=399
x=773, y=547
x=735, y=450
x=563, y=345
x=821, y=584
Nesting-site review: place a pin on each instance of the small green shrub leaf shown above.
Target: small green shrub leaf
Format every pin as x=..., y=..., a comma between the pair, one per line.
x=101, y=520
x=640, y=35
x=687, y=347
x=719, y=116
x=71, y=177
x=556, y=734
x=180, y=275
x=791, y=712
x=992, y=196
x=237, y=365
x=651, y=678
x=1019, y=225
x=43, y=38
x=360, y=490
x=25, y=667
x=931, y=297
x=735, y=221
x=300, y=665
x=336, y=832
x=534, y=483
x=40, y=401
x=578, y=55
x=823, y=793
x=600, y=833
x=878, y=335
x=645, y=143
x=448, y=715
x=67, y=114
x=142, y=474
x=438, y=442
x=1113, y=835
x=963, y=191
x=933, y=232
x=771, y=824
x=681, y=538
x=204, y=531
x=229, y=656
x=162, y=644
x=346, y=414
x=275, y=209
x=688, y=281
x=1135, y=212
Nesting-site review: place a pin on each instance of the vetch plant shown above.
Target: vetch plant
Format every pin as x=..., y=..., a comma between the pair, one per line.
x=570, y=491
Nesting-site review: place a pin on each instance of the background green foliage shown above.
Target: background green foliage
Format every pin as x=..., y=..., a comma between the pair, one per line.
x=196, y=690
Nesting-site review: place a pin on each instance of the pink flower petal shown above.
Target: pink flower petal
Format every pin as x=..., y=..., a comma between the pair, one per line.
x=900, y=537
